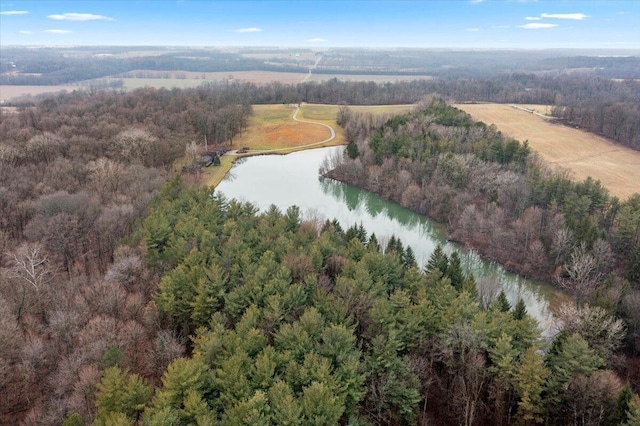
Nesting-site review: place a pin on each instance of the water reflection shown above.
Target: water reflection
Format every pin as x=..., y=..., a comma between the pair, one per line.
x=293, y=180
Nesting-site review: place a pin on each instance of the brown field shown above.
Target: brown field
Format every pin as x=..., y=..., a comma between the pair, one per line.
x=12, y=92
x=368, y=77
x=169, y=79
x=271, y=127
x=258, y=77
x=582, y=153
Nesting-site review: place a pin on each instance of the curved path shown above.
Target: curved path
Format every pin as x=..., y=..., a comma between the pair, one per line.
x=290, y=148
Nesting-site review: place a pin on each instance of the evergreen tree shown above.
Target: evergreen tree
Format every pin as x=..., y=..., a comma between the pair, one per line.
x=501, y=303
x=520, y=310
x=409, y=260
x=438, y=261
x=530, y=379
x=352, y=150
x=454, y=271
x=633, y=415
x=622, y=405
x=119, y=392
x=633, y=271
x=373, y=244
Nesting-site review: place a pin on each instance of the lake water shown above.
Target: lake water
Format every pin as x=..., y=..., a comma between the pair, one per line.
x=293, y=179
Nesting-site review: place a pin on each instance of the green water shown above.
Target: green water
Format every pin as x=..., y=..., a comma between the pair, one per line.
x=293, y=179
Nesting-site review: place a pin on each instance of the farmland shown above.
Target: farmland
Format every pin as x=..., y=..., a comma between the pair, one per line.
x=11, y=92
x=583, y=154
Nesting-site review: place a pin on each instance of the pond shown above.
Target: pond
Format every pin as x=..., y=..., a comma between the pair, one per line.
x=293, y=179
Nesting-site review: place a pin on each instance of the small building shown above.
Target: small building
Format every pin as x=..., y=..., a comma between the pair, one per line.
x=212, y=157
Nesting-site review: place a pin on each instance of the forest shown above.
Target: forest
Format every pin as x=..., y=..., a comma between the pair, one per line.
x=131, y=297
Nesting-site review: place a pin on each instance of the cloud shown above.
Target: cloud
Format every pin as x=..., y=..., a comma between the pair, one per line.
x=248, y=30
x=622, y=13
x=476, y=1
x=472, y=30
x=25, y=32
x=57, y=31
x=14, y=12
x=316, y=40
x=532, y=18
x=536, y=26
x=572, y=16
x=79, y=17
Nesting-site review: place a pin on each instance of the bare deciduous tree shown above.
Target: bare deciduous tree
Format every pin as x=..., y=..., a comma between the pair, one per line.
x=30, y=266
x=582, y=275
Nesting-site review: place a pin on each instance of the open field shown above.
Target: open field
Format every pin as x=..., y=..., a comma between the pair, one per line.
x=157, y=83
x=382, y=78
x=181, y=79
x=11, y=92
x=583, y=154
x=272, y=127
x=329, y=112
x=188, y=79
x=258, y=77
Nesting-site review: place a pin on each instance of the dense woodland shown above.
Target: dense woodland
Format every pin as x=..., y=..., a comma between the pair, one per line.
x=497, y=197
x=130, y=300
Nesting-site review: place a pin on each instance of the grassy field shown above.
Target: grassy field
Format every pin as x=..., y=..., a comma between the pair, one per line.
x=272, y=127
x=378, y=78
x=582, y=153
x=258, y=77
x=11, y=92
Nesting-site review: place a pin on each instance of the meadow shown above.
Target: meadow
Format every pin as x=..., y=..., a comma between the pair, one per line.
x=272, y=128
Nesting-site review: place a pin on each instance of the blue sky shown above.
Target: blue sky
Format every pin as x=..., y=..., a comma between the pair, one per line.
x=456, y=24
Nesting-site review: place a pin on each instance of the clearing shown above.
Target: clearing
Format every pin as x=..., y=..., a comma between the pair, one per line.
x=272, y=128
x=12, y=92
x=583, y=154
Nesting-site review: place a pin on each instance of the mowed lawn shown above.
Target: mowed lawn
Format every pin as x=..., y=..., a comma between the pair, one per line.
x=583, y=154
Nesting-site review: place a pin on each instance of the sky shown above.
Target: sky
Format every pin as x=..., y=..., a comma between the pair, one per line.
x=319, y=24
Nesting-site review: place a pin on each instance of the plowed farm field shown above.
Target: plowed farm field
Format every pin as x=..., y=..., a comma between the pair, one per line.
x=583, y=154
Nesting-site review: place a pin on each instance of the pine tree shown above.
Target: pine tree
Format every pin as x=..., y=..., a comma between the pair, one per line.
x=530, y=377
x=633, y=272
x=409, y=260
x=454, y=271
x=502, y=303
x=119, y=392
x=633, y=415
x=520, y=310
x=438, y=261
x=622, y=405
x=373, y=244
x=352, y=150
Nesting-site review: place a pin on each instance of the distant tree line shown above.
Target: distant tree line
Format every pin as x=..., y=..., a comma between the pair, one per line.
x=38, y=70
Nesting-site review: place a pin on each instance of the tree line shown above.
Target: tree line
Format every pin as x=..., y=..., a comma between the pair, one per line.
x=497, y=197
x=599, y=105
